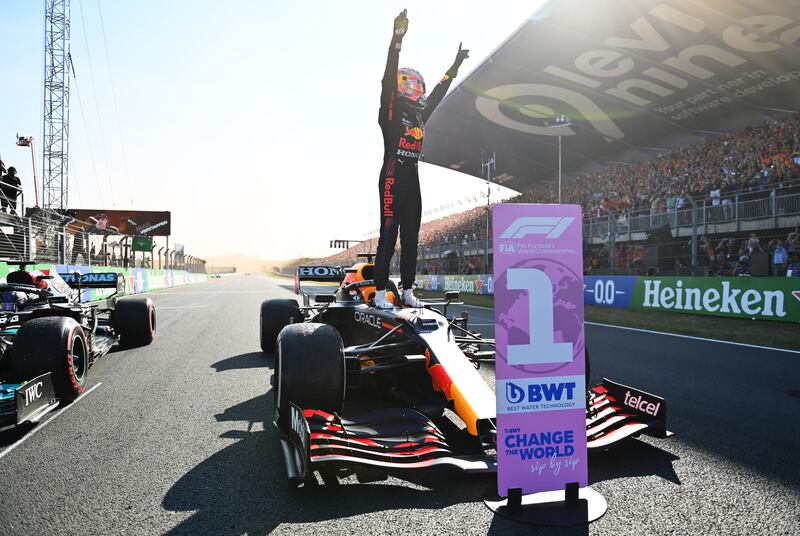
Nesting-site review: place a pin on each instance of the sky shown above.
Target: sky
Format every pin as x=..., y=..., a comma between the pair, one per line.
x=253, y=122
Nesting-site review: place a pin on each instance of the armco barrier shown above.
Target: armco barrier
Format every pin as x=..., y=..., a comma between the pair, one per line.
x=763, y=298
x=137, y=280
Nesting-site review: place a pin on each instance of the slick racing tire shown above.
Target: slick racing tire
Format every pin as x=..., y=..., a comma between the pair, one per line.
x=135, y=321
x=55, y=344
x=275, y=315
x=309, y=369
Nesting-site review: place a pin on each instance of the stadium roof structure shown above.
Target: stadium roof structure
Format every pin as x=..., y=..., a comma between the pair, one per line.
x=634, y=77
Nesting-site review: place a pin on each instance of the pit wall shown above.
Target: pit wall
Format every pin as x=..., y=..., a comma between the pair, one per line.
x=762, y=298
x=137, y=280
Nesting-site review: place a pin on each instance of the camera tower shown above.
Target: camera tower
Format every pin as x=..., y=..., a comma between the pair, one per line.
x=55, y=183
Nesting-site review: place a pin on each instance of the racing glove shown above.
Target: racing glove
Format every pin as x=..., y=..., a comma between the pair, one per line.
x=400, y=29
x=462, y=54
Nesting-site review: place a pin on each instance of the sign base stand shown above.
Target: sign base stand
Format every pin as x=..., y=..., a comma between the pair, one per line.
x=573, y=506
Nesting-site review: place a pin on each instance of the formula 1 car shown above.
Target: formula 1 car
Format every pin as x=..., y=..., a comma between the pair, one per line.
x=49, y=338
x=359, y=386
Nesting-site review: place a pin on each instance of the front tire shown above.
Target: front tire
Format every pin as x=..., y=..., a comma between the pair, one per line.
x=135, y=321
x=54, y=344
x=309, y=369
x=275, y=315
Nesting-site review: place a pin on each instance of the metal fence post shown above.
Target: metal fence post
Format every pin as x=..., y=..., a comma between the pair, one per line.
x=62, y=246
x=773, y=205
x=705, y=217
x=612, y=240
x=736, y=214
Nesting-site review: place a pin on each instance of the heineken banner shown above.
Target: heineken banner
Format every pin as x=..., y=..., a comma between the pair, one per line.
x=540, y=367
x=470, y=284
x=763, y=298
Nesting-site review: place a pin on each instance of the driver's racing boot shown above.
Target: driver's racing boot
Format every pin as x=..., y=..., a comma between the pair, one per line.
x=381, y=301
x=409, y=299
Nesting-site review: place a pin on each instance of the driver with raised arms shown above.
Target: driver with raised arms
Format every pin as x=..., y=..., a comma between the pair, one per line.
x=403, y=113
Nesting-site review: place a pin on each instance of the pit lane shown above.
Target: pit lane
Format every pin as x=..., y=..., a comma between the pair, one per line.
x=174, y=441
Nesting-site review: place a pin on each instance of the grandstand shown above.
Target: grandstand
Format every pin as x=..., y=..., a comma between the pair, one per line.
x=684, y=140
x=742, y=183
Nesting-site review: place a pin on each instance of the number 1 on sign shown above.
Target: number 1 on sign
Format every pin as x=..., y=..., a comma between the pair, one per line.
x=541, y=347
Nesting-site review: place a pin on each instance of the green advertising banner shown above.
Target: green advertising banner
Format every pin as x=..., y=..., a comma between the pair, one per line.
x=142, y=243
x=763, y=298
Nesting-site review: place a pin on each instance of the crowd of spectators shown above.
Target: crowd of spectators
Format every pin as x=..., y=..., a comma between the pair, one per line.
x=736, y=258
x=750, y=163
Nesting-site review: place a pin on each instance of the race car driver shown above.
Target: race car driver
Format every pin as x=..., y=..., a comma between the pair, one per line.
x=403, y=113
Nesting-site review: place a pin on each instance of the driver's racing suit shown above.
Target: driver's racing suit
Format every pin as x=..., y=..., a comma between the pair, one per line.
x=402, y=122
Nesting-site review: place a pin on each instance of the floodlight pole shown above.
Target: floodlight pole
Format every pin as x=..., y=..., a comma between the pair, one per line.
x=561, y=121
x=489, y=166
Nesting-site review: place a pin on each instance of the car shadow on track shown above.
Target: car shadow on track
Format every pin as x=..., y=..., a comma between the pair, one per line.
x=630, y=459
x=243, y=361
x=243, y=488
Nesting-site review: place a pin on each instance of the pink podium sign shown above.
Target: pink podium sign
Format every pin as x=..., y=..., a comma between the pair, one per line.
x=538, y=313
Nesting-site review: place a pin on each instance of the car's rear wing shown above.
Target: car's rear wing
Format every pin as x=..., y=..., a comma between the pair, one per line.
x=323, y=274
x=112, y=280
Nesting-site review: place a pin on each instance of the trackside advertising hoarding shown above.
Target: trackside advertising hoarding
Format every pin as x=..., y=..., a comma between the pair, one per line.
x=137, y=280
x=763, y=298
x=540, y=369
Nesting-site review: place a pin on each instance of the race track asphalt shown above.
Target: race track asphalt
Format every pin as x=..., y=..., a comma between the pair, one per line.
x=174, y=440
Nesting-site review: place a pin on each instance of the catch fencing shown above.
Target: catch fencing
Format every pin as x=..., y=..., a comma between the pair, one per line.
x=669, y=239
x=43, y=236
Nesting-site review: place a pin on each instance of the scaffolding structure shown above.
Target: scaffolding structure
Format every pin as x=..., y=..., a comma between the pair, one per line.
x=55, y=156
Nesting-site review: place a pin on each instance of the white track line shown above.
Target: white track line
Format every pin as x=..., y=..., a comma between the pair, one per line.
x=697, y=338
x=162, y=307
x=48, y=421
x=786, y=350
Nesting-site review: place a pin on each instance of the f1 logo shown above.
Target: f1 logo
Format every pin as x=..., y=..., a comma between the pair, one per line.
x=552, y=227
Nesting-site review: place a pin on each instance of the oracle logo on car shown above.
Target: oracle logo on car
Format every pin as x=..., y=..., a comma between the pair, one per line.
x=640, y=403
x=370, y=320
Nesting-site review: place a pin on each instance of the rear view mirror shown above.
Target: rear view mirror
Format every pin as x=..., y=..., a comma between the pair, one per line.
x=325, y=298
x=451, y=295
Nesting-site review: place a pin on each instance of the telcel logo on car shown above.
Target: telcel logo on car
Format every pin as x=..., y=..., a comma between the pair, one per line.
x=370, y=320
x=640, y=403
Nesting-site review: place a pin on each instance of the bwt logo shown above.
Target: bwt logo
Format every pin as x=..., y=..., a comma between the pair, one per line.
x=551, y=227
x=540, y=392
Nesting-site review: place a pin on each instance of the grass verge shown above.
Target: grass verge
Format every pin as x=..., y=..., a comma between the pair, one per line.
x=760, y=332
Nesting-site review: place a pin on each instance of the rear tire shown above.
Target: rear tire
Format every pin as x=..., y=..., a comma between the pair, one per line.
x=55, y=344
x=275, y=315
x=135, y=321
x=309, y=369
